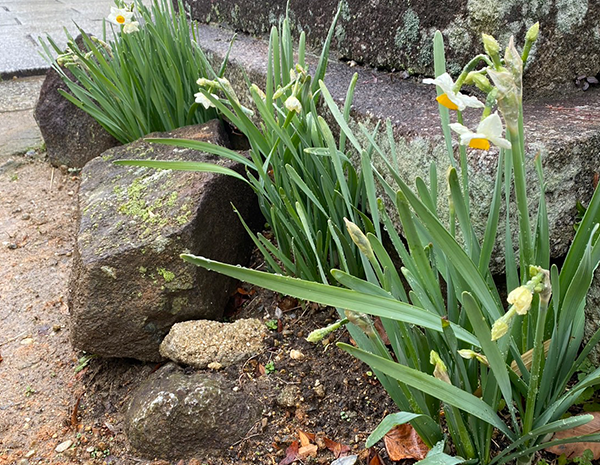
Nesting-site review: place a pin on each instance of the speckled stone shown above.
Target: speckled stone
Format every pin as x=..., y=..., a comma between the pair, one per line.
x=174, y=415
x=202, y=342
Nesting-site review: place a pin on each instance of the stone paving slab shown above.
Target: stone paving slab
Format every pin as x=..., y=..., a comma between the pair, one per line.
x=22, y=22
x=18, y=129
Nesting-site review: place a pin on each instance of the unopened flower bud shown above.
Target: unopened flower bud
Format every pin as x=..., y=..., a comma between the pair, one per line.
x=359, y=238
x=260, y=93
x=520, y=298
x=499, y=329
x=293, y=104
x=470, y=354
x=491, y=46
x=361, y=320
x=439, y=371
x=482, y=82
x=320, y=333
x=203, y=82
x=532, y=33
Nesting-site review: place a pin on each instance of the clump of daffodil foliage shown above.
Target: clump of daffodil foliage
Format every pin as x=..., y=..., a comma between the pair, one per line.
x=302, y=175
x=142, y=79
x=464, y=365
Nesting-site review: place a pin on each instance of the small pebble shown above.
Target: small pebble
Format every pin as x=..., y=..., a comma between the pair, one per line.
x=25, y=216
x=296, y=354
x=63, y=446
x=29, y=454
x=215, y=366
x=27, y=341
x=319, y=391
x=56, y=328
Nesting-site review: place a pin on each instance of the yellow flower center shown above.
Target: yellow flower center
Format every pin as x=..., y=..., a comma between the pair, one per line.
x=445, y=101
x=120, y=19
x=481, y=144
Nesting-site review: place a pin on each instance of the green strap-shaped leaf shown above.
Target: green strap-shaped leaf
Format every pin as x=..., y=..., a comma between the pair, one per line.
x=391, y=421
x=441, y=390
x=333, y=296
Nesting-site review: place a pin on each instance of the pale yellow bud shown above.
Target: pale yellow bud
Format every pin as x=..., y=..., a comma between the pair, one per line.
x=260, y=93
x=359, y=238
x=293, y=104
x=499, y=329
x=520, y=298
x=203, y=82
x=470, y=354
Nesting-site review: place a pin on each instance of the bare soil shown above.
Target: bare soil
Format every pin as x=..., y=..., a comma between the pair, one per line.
x=48, y=395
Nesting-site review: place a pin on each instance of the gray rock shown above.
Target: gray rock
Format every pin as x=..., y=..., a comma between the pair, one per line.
x=72, y=136
x=199, y=343
x=398, y=35
x=129, y=285
x=173, y=415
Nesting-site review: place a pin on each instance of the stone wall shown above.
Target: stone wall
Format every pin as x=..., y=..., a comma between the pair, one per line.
x=395, y=35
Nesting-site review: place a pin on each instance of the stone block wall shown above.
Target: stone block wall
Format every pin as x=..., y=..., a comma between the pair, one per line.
x=397, y=35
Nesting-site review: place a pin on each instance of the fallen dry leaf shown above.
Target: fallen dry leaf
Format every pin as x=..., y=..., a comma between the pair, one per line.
x=338, y=449
x=308, y=451
x=305, y=438
x=291, y=454
x=403, y=442
x=375, y=458
x=576, y=449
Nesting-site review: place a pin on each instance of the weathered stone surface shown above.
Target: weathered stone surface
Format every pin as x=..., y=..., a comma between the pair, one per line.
x=201, y=342
x=398, y=35
x=173, y=415
x=565, y=131
x=129, y=285
x=72, y=136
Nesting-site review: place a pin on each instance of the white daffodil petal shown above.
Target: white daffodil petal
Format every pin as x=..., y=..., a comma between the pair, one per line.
x=468, y=101
x=204, y=100
x=500, y=142
x=492, y=126
x=459, y=128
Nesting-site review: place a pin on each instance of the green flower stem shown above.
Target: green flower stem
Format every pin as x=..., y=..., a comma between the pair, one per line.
x=525, y=241
x=470, y=66
x=464, y=169
x=536, y=365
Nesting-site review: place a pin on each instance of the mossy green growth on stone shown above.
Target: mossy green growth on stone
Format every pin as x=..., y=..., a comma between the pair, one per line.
x=167, y=275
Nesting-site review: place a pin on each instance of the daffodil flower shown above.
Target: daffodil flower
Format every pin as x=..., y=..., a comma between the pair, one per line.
x=120, y=16
x=521, y=299
x=489, y=130
x=128, y=28
x=451, y=99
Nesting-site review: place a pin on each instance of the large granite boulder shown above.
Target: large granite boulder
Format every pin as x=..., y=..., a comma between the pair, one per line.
x=398, y=35
x=129, y=285
x=173, y=415
x=72, y=136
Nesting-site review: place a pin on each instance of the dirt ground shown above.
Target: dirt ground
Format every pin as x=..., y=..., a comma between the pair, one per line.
x=49, y=399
